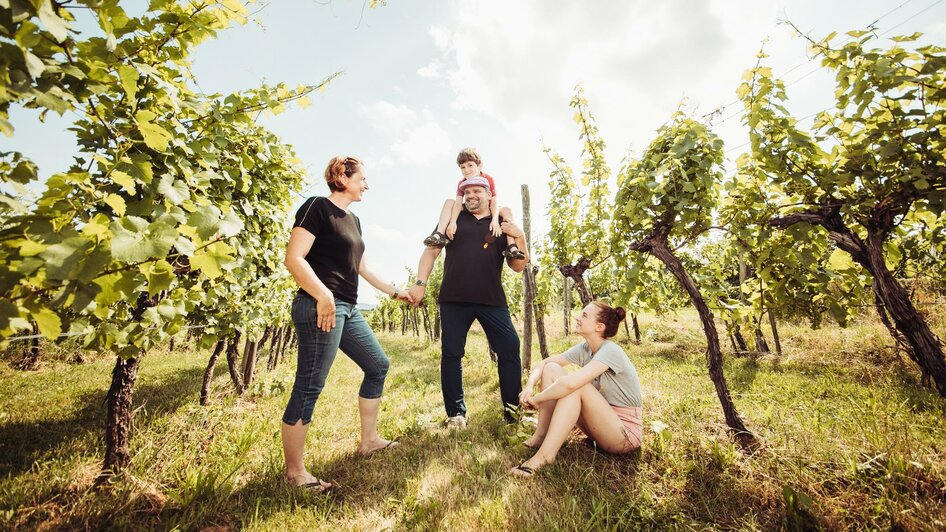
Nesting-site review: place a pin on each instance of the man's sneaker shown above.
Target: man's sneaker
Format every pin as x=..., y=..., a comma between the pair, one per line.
x=456, y=422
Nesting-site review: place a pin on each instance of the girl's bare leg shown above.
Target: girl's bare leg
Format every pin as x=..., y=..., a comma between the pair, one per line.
x=600, y=420
x=550, y=373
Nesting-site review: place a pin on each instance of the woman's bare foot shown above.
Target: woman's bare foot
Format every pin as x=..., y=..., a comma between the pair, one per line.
x=370, y=447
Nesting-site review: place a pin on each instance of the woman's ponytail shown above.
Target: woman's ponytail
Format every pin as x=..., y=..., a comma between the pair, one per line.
x=611, y=317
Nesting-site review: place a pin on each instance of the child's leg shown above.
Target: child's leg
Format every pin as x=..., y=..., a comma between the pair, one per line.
x=513, y=250
x=454, y=214
x=445, y=213
x=438, y=238
x=506, y=214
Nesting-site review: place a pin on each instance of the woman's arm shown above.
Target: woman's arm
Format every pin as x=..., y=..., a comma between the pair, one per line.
x=375, y=281
x=300, y=242
x=567, y=384
x=535, y=376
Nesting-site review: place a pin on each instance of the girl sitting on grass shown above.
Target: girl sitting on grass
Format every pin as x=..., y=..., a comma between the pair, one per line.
x=603, y=398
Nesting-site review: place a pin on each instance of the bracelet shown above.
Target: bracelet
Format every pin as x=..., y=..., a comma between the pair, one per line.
x=418, y=282
x=396, y=291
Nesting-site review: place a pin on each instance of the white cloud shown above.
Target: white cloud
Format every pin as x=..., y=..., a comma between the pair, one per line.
x=520, y=58
x=389, y=118
x=441, y=36
x=512, y=68
x=431, y=70
x=417, y=138
x=420, y=146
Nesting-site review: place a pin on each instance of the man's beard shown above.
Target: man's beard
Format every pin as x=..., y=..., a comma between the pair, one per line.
x=474, y=205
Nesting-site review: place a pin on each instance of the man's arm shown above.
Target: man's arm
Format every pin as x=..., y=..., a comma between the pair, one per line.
x=513, y=230
x=424, y=267
x=390, y=289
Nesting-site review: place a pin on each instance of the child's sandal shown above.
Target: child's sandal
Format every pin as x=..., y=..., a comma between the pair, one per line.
x=436, y=240
x=514, y=253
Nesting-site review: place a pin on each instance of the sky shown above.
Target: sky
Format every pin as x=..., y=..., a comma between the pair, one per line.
x=423, y=79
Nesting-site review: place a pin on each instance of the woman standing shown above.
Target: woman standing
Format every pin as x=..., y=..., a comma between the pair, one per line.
x=325, y=256
x=603, y=398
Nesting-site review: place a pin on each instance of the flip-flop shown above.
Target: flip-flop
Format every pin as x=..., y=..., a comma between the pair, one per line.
x=310, y=487
x=391, y=445
x=533, y=447
x=529, y=472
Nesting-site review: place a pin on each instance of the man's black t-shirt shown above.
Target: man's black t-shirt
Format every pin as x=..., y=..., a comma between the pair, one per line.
x=338, y=247
x=472, y=271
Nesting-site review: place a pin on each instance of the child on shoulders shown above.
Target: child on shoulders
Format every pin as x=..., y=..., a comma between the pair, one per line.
x=471, y=167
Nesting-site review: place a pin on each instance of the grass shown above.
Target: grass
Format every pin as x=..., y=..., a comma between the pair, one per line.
x=850, y=441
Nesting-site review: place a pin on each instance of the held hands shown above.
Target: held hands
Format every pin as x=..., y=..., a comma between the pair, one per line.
x=325, y=312
x=511, y=229
x=416, y=295
x=405, y=297
x=452, y=230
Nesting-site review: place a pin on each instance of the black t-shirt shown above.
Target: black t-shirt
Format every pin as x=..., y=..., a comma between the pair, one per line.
x=338, y=247
x=473, y=269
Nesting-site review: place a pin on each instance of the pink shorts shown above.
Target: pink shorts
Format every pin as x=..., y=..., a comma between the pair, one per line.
x=633, y=420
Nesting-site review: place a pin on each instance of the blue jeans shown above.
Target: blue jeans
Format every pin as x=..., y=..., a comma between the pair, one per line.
x=317, y=350
x=456, y=320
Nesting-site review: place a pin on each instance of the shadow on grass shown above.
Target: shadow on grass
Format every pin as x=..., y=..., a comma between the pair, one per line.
x=25, y=442
x=712, y=494
x=433, y=476
x=385, y=482
x=741, y=376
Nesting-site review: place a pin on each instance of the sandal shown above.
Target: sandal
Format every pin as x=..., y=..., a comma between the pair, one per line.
x=523, y=471
x=309, y=487
x=513, y=252
x=436, y=240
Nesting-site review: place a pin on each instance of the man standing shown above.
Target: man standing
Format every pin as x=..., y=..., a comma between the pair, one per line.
x=472, y=290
